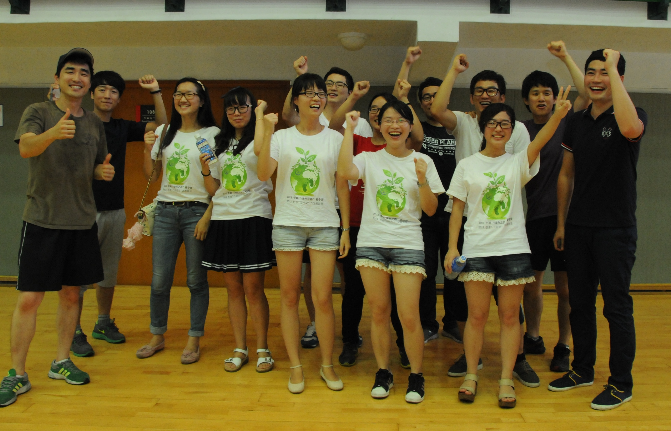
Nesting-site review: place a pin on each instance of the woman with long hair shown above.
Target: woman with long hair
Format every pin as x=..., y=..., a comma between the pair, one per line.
x=239, y=240
x=182, y=201
x=495, y=244
x=306, y=157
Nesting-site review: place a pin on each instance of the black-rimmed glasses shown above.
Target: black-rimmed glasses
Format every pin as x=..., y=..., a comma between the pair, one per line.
x=311, y=94
x=491, y=91
x=505, y=124
x=339, y=84
x=188, y=96
x=242, y=109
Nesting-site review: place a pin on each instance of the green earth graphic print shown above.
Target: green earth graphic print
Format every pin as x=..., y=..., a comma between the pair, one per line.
x=391, y=196
x=496, y=197
x=234, y=173
x=305, y=174
x=178, y=166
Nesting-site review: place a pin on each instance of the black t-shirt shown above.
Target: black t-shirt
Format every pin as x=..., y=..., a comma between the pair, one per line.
x=109, y=194
x=604, y=190
x=440, y=146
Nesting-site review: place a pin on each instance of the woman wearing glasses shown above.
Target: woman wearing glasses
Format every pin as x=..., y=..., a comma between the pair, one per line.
x=495, y=242
x=182, y=200
x=305, y=157
x=399, y=184
x=239, y=236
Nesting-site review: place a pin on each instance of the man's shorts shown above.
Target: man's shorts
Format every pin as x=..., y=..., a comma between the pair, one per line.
x=110, y=238
x=52, y=258
x=540, y=233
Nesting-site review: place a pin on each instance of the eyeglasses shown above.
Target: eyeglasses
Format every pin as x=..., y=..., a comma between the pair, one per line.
x=399, y=121
x=491, y=91
x=374, y=110
x=427, y=97
x=505, y=124
x=188, y=96
x=242, y=109
x=339, y=85
x=311, y=94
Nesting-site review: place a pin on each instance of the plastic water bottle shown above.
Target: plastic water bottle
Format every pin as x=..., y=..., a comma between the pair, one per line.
x=457, y=265
x=204, y=147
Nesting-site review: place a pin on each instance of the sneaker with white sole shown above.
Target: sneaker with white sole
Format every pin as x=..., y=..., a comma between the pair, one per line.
x=384, y=381
x=610, y=398
x=68, y=371
x=523, y=372
x=415, y=392
x=310, y=340
x=12, y=386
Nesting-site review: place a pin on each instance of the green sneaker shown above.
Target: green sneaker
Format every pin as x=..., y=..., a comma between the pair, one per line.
x=12, y=386
x=69, y=372
x=109, y=333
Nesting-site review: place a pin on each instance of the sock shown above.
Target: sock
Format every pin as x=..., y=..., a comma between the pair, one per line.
x=533, y=338
x=521, y=357
x=61, y=361
x=103, y=319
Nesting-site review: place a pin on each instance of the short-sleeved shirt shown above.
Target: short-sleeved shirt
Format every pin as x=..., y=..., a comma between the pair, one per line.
x=305, y=190
x=542, y=189
x=392, y=206
x=469, y=139
x=182, y=176
x=492, y=188
x=59, y=191
x=604, y=185
x=361, y=129
x=440, y=146
x=118, y=132
x=241, y=194
x=360, y=145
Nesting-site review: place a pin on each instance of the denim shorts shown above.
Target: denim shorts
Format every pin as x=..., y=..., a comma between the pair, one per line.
x=391, y=259
x=298, y=238
x=508, y=270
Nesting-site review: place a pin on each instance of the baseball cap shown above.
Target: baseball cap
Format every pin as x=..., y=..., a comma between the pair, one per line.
x=79, y=52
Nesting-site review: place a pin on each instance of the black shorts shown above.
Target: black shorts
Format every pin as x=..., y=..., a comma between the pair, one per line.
x=52, y=258
x=243, y=245
x=541, y=233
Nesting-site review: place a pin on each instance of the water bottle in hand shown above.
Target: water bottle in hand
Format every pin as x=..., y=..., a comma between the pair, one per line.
x=204, y=147
x=457, y=265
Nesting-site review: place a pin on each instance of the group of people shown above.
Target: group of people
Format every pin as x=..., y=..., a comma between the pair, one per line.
x=385, y=197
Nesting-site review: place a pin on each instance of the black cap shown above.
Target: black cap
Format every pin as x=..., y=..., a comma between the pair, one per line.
x=80, y=51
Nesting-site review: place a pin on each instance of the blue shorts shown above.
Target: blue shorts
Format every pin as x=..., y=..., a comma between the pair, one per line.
x=391, y=259
x=298, y=238
x=508, y=270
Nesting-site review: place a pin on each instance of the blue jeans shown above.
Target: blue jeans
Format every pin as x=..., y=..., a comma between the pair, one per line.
x=172, y=226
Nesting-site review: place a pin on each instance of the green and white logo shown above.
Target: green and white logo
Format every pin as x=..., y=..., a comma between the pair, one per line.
x=234, y=172
x=496, y=198
x=305, y=174
x=178, y=166
x=391, y=196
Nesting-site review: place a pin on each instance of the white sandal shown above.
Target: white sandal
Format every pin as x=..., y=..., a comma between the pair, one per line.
x=238, y=362
x=264, y=360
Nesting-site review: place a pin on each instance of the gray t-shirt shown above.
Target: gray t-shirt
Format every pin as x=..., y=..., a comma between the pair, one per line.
x=59, y=180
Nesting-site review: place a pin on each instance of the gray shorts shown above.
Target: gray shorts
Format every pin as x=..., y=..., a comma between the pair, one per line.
x=110, y=238
x=298, y=238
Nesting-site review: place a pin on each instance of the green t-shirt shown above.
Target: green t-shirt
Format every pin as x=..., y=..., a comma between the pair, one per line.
x=59, y=180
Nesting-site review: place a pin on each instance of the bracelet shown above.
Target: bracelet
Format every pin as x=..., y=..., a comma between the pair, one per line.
x=155, y=92
x=344, y=229
x=426, y=183
x=201, y=172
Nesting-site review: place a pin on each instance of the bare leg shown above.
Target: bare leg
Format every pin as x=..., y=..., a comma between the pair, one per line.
x=23, y=328
x=509, y=311
x=258, y=308
x=376, y=283
x=323, y=266
x=563, y=307
x=533, y=304
x=289, y=268
x=66, y=319
x=478, y=296
x=105, y=296
x=237, y=313
x=307, y=292
x=407, y=288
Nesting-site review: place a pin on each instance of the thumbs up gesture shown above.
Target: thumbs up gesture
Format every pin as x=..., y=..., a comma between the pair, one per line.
x=105, y=171
x=65, y=128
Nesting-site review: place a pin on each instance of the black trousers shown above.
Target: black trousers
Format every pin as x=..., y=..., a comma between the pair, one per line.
x=352, y=300
x=605, y=256
x=454, y=295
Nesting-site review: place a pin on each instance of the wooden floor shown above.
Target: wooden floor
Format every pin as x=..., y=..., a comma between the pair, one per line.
x=161, y=394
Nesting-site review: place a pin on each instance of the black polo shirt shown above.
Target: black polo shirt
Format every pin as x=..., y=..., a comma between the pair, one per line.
x=604, y=191
x=440, y=146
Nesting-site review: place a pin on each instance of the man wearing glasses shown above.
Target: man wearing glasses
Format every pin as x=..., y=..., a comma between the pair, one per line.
x=486, y=87
x=106, y=90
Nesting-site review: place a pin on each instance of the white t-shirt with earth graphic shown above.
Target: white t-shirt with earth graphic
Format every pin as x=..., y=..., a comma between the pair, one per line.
x=305, y=191
x=241, y=194
x=182, y=178
x=391, y=204
x=492, y=189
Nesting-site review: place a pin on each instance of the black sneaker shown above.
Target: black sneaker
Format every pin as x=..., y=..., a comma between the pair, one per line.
x=349, y=354
x=610, y=398
x=405, y=362
x=533, y=347
x=310, y=340
x=429, y=335
x=560, y=360
x=568, y=381
x=80, y=346
x=360, y=343
x=523, y=372
x=384, y=381
x=459, y=368
x=415, y=392
x=109, y=332
x=453, y=334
